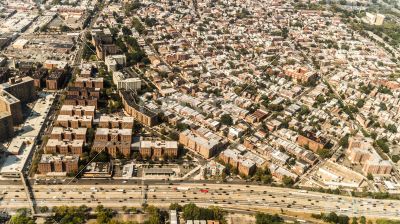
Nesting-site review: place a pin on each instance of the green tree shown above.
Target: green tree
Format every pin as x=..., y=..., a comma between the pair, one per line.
x=226, y=119
x=262, y=218
x=175, y=206
x=344, y=141
x=324, y=153
x=363, y=220
x=67, y=215
x=287, y=181
x=370, y=176
x=392, y=128
x=343, y=219
x=22, y=217
x=104, y=215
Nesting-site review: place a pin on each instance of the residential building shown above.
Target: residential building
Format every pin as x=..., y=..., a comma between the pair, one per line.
x=77, y=110
x=69, y=134
x=205, y=147
x=139, y=113
x=68, y=121
x=107, y=121
x=158, y=149
x=64, y=147
x=58, y=163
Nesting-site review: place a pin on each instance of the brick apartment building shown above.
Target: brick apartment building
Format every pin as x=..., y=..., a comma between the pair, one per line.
x=139, y=113
x=124, y=122
x=77, y=110
x=361, y=151
x=312, y=141
x=90, y=82
x=80, y=100
x=6, y=126
x=13, y=94
x=300, y=74
x=58, y=163
x=205, y=147
x=158, y=149
x=114, y=141
x=113, y=148
x=103, y=42
x=70, y=134
x=82, y=96
x=68, y=121
x=113, y=135
x=64, y=147
x=39, y=78
x=83, y=91
x=233, y=157
x=56, y=79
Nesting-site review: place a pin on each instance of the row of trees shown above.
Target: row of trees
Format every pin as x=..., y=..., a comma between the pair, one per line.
x=192, y=212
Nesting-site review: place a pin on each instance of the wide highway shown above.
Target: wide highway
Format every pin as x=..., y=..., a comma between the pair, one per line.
x=248, y=197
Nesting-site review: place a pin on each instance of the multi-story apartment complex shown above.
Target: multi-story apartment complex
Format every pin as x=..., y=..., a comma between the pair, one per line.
x=158, y=149
x=128, y=83
x=90, y=82
x=6, y=126
x=13, y=94
x=64, y=147
x=361, y=151
x=56, y=79
x=312, y=141
x=300, y=74
x=83, y=91
x=69, y=134
x=113, y=135
x=77, y=110
x=107, y=121
x=39, y=78
x=205, y=147
x=82, y=96
x=102, y=40
x=21, y=88
x=80, y=100
x=59, y=163
x=113, y=141
x=68, y=121
x=139, y=113
x=237, y=161
x=11, y=105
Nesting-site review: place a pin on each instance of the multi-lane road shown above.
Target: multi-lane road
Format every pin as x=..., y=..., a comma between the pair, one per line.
x=246, y=197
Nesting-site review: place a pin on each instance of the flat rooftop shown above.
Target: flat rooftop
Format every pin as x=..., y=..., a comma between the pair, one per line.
x=21, y=146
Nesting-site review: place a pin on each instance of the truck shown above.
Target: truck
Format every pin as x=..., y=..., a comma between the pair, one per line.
x=182, y=188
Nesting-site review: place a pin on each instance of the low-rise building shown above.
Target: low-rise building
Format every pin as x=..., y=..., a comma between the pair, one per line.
x=98, y=170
